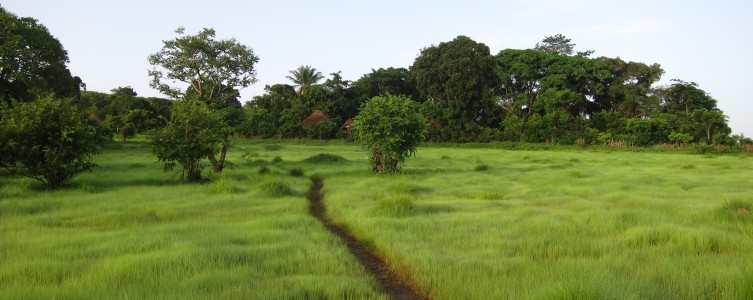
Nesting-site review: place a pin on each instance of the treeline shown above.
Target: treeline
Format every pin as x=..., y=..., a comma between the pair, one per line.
x=548, y=94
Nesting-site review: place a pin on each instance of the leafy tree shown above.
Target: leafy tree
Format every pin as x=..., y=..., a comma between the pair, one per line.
x=459, y=76
x=49, y=140
x=305, y=76
x=629, y=87
x=32, y=61
x=213, y=70
x=559, y=44
x=710, y=121
x=394, y=81
x=390, y=128
x=193, y=133
x=685, y=97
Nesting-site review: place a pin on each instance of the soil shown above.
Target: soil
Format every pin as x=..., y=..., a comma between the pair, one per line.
x=388, y=280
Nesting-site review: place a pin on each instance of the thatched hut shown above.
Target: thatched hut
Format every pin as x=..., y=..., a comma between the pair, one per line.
x=348, y=129
x=316, y=117
x=435, y=123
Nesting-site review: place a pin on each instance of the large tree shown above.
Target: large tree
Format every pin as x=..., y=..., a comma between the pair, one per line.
x=32, y=61
x=459, y=76
x=214, y=71
x=305, y=76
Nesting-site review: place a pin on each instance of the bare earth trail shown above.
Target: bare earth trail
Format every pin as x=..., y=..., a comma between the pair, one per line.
x=386, y=277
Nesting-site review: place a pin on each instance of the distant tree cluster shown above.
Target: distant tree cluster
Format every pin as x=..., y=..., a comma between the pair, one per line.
x=456, y=91
x=548, y=94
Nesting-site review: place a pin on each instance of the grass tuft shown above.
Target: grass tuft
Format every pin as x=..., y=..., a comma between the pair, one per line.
x=277, y=159
x=223, y=185
x=277, y=188
x=324, y=158
x=396, y=207
x=296, y=172
x=481, y=168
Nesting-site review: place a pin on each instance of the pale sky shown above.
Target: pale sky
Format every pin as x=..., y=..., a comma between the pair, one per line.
x=707, y=42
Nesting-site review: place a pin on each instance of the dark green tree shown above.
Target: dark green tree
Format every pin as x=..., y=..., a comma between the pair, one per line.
x=214, y=70
x=305, y=76
x=49, y=140
x=395, y=81
x=390, y=128
x=32, y=61
x=460, y=77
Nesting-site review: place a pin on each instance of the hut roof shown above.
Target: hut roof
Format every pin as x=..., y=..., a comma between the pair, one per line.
x=434, y=122
x=347, y=123
x=316, y=117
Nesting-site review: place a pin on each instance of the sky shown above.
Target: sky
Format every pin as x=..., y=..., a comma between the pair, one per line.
x=707, y=42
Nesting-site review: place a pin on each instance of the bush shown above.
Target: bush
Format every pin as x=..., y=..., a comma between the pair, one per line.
x=49, y=140
x=390, y=128
x=192, y=135
x=481, y=168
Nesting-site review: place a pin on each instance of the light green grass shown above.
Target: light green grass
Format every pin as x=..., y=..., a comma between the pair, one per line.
x=558, y=224
x=130, y=231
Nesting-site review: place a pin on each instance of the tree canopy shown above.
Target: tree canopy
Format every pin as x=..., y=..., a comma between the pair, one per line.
x=32, y=61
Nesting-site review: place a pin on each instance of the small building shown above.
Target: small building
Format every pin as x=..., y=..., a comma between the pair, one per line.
x=316, y=117
x=348, y=129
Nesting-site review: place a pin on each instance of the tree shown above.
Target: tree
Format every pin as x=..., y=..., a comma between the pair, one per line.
x=459, y=76
x=557, y=44
x=214, y=71
x=193, y=133
x=390, y=128
x=394, y=81
x=49, y=140
x=304, y=76
x=32, y=61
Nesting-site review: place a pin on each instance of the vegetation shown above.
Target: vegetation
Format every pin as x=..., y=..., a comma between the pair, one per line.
x=32, y=61
x=47, y=140
x=544, y=208
x=390, y=129
x=126, y=231
x=213, y=70
x=194, y=133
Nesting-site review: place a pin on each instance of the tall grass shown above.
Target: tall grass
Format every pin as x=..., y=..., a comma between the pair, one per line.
x=145, y=235
x=558, y=224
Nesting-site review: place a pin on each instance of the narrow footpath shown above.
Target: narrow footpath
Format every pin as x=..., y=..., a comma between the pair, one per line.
x=386, y=277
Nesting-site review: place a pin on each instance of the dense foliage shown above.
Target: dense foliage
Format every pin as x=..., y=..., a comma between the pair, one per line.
x=48, y=139
x=214, y=70
x=194, y=133
x=390, y=128
x=32, y=61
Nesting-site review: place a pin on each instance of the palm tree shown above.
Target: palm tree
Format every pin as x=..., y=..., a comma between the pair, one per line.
x=305, y=76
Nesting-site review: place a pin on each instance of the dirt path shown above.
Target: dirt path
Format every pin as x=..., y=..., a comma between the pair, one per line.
x=390, y=283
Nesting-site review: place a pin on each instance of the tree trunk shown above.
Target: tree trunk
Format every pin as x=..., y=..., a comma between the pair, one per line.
x=218, y=165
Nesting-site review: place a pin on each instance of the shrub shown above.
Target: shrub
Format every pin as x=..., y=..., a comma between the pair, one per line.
x=277, y=159
x=49, y=140
x=192, y=135
x=390, y=128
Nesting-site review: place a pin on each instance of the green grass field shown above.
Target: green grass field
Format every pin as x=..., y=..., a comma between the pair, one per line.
x=463, y=223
